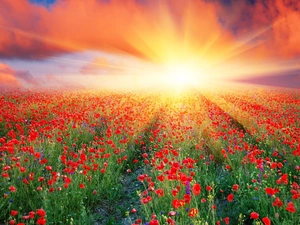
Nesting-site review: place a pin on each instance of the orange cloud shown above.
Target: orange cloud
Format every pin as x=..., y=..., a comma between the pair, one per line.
x=101, y=65
x=270, y=27
x=153, y=30
x=7, y=78
x=10, y=78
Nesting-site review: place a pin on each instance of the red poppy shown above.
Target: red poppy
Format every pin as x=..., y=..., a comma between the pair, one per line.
x=160, y=192
x=41, y=221
x=290, y=207
x=13, y=213
x=31, y=214
x=254, y=215
x=235, y=187
x=170, y=221
x=154, y=222
x=226, y=220
x=196, y=189
x=41, y=213
x=160, y=177
x=193, y=212
x=133, y=210
x=174, y=192
x=230, y=197
x=187, y=198
x=176, y=203
x=272, y=191
x=208, y=188
x=12, y=189
x=266, y=221
x=277, y=202
x=5, y=175
x=296, y=196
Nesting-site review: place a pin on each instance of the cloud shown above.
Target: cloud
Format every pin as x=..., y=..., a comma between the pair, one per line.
x=271, y=26
x=101, y=66
x=26, y=77
x=153, y=30
x=29, y=30
x=290, y=79
x=10, y=78
x=61, y=82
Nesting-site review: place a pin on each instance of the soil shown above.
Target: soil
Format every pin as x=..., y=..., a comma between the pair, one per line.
x=119, y=212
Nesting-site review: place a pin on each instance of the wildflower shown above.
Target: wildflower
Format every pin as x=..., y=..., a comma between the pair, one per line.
x=49, y=168
x=25, y=181
x=172, y=213
x=254, y=215
x=31, y=214
x=230, y=197
x=138, y=220
x=5, y=175
x=176, y=203
x=277, y=202
x=12, y=189
x=235, y=187
x=159, y=192
x=196, y=189
x=290, y=207
x=170, y=221
x=133, y=210
x=13, y=213
x=41, y=213
x=154, y=222
x=174, y=192
x=41, y=221
x=266, y=221
x=187, y=198
x=188, y=188
x=226, y=220
x=271, y=191
x=25, y=217
x=208, y=188
x=39, y=188
x=193, y=212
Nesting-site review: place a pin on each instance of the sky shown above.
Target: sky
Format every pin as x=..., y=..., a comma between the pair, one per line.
x=143, y=43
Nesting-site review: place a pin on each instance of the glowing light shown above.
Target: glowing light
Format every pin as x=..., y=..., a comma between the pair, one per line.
x=181, y=74
x=184, y=76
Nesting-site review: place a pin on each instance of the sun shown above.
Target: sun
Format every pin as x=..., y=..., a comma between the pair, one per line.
x=175, y=77
x=182, y=75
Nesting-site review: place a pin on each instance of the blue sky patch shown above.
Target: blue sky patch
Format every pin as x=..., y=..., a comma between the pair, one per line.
x=45, y=3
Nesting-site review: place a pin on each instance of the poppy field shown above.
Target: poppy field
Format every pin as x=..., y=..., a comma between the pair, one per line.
x=221, y=156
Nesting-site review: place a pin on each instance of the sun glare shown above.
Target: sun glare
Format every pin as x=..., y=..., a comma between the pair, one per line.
x=183, y=76
x=173, y=76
